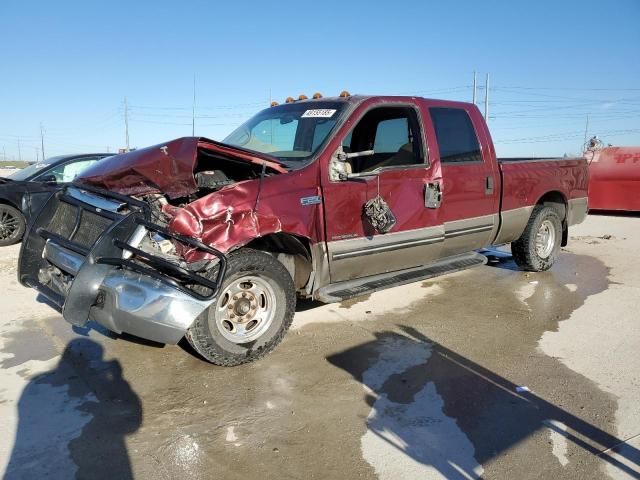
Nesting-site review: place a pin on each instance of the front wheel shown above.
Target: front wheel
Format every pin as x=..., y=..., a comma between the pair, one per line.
x=250, y=315
x=12, y=225
x=537, y=248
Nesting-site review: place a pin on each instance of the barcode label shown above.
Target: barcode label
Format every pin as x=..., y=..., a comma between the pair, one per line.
x=319, y=113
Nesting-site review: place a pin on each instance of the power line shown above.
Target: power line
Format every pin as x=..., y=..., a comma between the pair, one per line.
x=574, y=88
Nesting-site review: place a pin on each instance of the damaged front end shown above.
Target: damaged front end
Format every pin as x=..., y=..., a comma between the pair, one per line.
x=98, y=255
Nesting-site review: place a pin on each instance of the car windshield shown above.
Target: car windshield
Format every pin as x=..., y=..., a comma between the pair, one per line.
x=34, y=168
x=292, y=132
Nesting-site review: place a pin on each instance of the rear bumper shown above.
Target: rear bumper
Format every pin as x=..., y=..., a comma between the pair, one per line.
x=94, y=279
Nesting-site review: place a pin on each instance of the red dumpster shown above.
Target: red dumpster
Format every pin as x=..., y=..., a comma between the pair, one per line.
x=614, y=178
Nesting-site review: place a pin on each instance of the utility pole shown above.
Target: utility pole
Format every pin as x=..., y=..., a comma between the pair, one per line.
x=586, y=133
x=486, y=99
x=19, y=152
x=271, y=121
x=193, y=109
x=126, y=123
x=474, y=87
x=42, y=140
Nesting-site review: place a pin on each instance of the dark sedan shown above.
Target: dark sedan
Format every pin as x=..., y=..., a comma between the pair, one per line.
x=23, y=192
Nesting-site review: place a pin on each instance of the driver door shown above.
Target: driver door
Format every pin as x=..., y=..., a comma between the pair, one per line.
x=394, y=168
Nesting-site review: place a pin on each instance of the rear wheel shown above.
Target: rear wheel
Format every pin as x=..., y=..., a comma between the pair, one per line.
x=537, y=248
x=251, y=314
x=12, y=225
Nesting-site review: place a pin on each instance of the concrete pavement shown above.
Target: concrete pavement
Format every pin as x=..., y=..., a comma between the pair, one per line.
x=491, y=372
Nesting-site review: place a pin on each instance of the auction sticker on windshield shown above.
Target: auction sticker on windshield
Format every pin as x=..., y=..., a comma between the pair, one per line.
x=319, y=113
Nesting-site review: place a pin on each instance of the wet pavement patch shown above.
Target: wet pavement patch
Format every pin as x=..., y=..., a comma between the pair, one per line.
x=29, y=342
x=354, y=301
x=565, y=420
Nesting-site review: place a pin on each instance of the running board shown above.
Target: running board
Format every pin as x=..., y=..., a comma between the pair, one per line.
x=338, y=292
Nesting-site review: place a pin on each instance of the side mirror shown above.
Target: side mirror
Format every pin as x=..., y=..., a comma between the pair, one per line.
x=340, y=168
x=48, y=179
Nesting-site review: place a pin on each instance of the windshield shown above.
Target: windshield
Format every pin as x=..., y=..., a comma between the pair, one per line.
x=292, y=132
x=34, y=168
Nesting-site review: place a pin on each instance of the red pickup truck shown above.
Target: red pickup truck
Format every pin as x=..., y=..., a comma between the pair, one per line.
x=324, y=198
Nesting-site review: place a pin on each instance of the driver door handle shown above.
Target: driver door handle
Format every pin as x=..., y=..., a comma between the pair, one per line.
x=432, y=195
x=488, y=185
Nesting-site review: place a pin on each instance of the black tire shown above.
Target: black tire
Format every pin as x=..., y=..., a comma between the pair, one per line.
x=206, y=333
x=524, y=249
x=12, y=225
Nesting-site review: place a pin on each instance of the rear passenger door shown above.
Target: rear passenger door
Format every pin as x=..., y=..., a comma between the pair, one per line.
x=470, y=179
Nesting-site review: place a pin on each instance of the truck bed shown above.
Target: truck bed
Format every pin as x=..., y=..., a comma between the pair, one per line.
x=526, y=180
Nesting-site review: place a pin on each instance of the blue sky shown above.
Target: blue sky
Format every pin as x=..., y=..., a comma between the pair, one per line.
x=69, y=65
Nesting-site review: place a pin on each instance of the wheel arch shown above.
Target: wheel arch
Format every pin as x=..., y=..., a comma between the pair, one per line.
x=558, y=201
x=6, y=201
x=293, y=251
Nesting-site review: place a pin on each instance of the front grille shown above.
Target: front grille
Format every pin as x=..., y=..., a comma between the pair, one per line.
x=63, y=220
x=91, y=227
x=78, y=225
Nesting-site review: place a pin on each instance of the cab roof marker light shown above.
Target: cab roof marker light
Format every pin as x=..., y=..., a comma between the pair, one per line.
x=344, y=93
x=289, y=100
x=274, y=104
x=303, y=97
x=317, y=95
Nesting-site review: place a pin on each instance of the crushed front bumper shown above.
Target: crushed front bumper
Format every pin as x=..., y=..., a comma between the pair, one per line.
x=81, y=253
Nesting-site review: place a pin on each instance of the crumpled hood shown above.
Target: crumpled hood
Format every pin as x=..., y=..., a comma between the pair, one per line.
x=166, y=167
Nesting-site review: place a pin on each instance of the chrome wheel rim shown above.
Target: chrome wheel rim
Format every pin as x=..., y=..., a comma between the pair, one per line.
x=245, y=309
x=545, y=239
x=8, y=225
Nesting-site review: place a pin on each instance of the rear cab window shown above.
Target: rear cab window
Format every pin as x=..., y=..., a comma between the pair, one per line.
x=456, y=136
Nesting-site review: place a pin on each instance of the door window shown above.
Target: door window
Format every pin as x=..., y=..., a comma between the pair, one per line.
x=456, y=136
x=392, y=133
x=66, y=172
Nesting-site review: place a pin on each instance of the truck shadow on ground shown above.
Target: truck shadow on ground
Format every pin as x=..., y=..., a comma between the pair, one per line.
x=75, y=418
x=408, y=403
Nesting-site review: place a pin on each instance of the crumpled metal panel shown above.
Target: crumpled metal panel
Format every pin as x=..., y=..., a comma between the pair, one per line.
x=233, y=216
x=166, y=167
x=228, y=218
